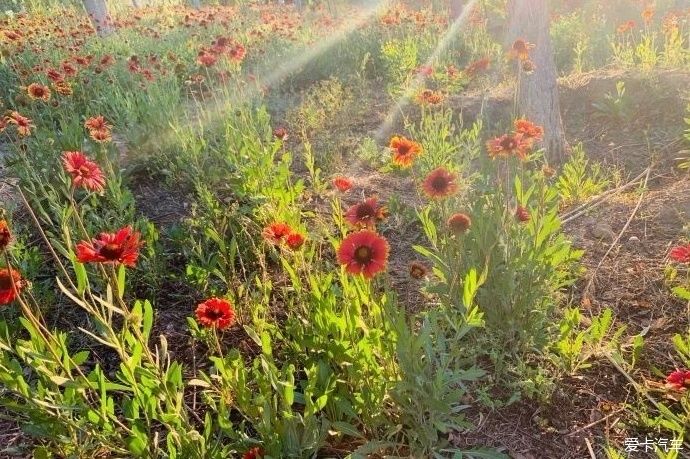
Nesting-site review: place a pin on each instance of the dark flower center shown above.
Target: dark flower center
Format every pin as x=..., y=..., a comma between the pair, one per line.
x=365, y=211
x=439, y=183
x=5, y=282
x=508, y=143
x=111, y=251
x=363, y=254
x=214, y=314
x=404, y=149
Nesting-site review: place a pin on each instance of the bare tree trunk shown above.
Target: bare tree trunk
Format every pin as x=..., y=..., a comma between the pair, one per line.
x=98, y=12
x=537, y=97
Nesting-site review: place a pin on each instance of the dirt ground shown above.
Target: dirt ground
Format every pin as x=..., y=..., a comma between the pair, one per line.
x=587, y=408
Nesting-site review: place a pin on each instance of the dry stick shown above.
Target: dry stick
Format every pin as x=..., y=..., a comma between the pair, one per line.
x=592, y=424
x=618, y=238
x=589, y=448
x=599, y=199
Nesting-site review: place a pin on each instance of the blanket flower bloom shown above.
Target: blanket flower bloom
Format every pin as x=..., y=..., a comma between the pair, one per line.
x=215, y=313
x=364, y=252
x=121, y=247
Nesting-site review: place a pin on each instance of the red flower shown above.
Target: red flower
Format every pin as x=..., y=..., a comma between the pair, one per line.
x=294, y=240
x=681, y=253
x=404, y=150
x=85, y=173
x=343, y=184
x=365, y=214
x=418, y=270
x=11, y=284
x=363, y=252
x=254, y=453
x=429, y=97
x=522, y=214
x=678, y=379
x=648, y=14
x=206, y=59
x=459, y=223
x=38, y=91
x=119, y=248
x=440, y=183
x=425, y=70
x=215, y=312
x=5, y=235
x=280, y=133
x=276, y=232
x=529, y=130
x=507, y=145
x=24, y=124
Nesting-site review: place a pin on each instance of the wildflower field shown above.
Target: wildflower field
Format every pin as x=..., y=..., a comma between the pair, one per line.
x=344, y=229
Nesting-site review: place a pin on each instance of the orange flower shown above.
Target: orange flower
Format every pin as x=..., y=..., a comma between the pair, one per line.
x=365, y=214
x=521, y=49
x=459, y=223
x=529, y=130
x=648, y=14
x=440, y=183
x=24, y=124
x=215, y=313
x=97, y=123
x=11, y=283
x=343, y=184
x=404, y=150
x=429, y=97
x=507, y=145
x=63, y=88
x=85, y=173
x=237, y=52
x=112, y=248
x=38, y=91
x=276, y=232
x=364, y=252
x=101, y=136
x=5, y=235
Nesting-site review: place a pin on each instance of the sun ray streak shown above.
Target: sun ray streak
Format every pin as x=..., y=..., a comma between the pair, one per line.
x=418, y=81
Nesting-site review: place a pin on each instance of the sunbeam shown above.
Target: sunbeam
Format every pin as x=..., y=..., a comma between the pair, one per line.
x=418, y=81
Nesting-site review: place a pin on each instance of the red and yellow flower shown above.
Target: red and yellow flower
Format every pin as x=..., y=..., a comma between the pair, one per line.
x=404, y=150
x=215, y=313
x=440, y=183
x=84, y=172
x=364, y=252
x=37, y=91
x=342, y=184
x=459, y=223
x=121, y=247
x=365, y=214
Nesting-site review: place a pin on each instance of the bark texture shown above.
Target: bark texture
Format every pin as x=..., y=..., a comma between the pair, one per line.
x=98, y=12
x=537, y=98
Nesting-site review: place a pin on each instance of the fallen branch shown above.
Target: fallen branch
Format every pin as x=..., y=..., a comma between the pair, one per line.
x=618, y=238
x=600, y=198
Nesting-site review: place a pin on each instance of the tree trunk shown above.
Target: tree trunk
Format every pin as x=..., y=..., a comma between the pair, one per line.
x=98, y=12
x=537, y=97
